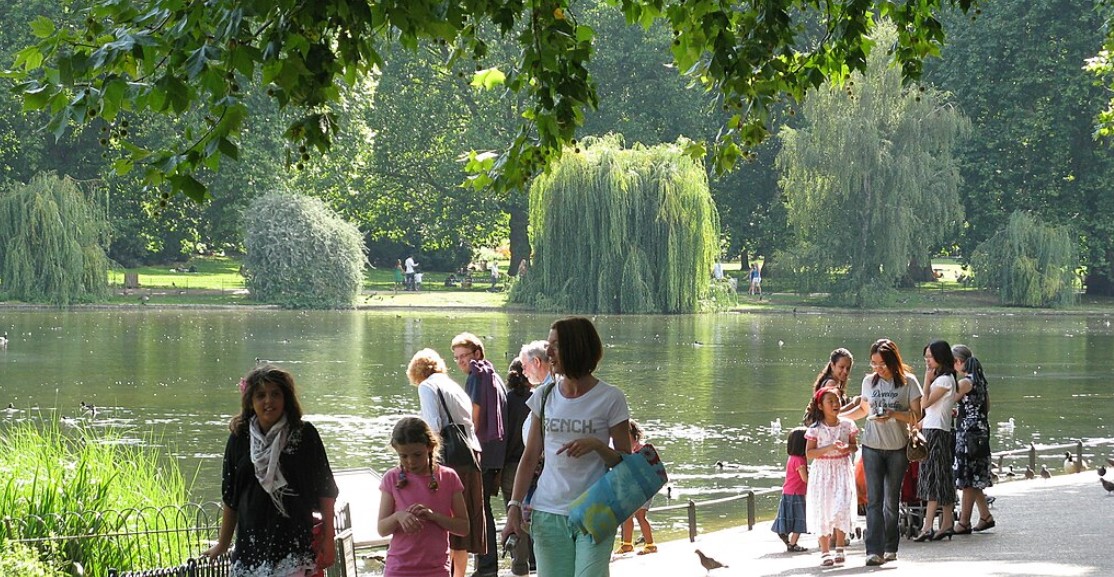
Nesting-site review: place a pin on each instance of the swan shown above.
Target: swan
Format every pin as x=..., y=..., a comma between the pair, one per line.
x=1007, y=425
x=775, y=426
x=4, y=341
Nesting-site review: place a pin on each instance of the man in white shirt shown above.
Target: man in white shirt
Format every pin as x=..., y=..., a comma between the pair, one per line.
x=410, y=268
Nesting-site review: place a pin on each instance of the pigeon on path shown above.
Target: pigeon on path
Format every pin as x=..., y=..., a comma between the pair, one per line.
x=708, y=562
x=1029, y=474
x=1107, y=485
x=1044, y=473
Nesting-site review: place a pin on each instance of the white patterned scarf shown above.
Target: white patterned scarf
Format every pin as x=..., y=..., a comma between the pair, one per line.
x=265, y=451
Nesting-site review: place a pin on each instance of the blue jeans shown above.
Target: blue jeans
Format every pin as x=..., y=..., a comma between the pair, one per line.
x=884, y=472
x=563, y=551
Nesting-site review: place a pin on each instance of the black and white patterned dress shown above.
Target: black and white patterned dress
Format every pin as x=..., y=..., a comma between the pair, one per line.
x=972, y=438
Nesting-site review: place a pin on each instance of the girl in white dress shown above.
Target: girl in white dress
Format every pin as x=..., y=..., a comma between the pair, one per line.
x=830, y=501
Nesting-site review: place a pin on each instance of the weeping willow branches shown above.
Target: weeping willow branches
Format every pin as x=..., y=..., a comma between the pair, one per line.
x=1029, y=263
x=52, y=242
x=621, y=231
x=871, y=180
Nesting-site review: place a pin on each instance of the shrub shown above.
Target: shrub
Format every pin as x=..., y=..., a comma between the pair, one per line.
x=301, y=254
x=19, y=559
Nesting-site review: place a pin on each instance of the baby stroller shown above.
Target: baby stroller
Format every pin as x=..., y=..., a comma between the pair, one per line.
x=911, y=509
x=910, y=513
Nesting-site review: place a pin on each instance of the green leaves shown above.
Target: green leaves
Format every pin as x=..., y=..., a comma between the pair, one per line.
x=42, y=27
x=177, y=56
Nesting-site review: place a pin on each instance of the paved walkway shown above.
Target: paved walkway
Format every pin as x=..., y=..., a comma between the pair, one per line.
x=1060, y=527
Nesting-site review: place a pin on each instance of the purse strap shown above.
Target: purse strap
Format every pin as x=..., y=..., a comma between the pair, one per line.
x=446, y=407
x=541, y=413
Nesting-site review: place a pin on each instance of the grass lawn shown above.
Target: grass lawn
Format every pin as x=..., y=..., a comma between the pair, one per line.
x=213, y=273
x=217, y=281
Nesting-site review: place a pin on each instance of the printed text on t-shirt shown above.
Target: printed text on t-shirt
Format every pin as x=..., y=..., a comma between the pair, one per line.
x=579, y=426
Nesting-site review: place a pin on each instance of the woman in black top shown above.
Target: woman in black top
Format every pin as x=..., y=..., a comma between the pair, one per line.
x=275, y=475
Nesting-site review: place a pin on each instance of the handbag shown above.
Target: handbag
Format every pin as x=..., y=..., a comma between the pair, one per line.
x=978, y=444
x=917, y=447
x=616, y=496
x=456, y=452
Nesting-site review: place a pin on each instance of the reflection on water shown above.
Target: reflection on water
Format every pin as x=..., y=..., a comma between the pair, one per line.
x=706, y=388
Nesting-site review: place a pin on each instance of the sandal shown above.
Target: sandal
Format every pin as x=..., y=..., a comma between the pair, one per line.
x=648, y=548
x=964, y=528
x=984, y=524
x=795, y=548
x=839, y=558
x=826, y=560
x=624, y=548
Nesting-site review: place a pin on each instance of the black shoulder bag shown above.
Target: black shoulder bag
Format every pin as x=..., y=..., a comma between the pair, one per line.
x=455, y=450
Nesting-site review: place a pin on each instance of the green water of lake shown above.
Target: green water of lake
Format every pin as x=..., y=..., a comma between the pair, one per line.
x=706, y=388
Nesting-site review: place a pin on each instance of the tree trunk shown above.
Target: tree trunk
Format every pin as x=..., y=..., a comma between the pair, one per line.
x=918, y=273
x=519, y=238
x=1099, y=282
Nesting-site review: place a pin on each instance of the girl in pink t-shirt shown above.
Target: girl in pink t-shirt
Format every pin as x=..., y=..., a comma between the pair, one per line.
x=422, y=503
x=790, y=521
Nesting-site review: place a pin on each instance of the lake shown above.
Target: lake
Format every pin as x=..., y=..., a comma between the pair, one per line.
x=706, y=388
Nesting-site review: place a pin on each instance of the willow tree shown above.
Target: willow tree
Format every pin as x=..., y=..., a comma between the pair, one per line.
x=620, y=230
x=870, y=180
x=52, y=239
x=1029, y=263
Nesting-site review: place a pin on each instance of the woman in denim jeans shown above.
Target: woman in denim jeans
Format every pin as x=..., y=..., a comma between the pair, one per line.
x=890, y=401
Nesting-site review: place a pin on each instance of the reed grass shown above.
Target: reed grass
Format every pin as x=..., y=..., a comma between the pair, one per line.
x=88, y=496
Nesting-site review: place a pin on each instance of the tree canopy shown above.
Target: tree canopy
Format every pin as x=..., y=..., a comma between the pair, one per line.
x=133, y=57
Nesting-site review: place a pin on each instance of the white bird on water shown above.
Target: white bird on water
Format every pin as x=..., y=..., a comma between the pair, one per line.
x=1006, y=426
x=775, y=426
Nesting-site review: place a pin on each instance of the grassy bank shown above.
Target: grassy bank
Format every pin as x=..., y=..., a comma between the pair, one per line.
x=64, y=480
x=217, y=282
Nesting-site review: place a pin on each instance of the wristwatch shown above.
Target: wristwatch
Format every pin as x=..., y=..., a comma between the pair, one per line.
x=514, y=503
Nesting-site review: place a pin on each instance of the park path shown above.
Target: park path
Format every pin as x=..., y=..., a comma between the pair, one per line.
x=1061, y=527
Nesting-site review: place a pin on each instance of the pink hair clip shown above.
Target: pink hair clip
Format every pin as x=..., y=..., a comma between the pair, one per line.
x=243, y=385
